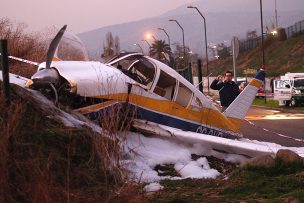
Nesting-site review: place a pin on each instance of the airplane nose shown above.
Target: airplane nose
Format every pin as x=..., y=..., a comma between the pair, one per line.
x=45, y=77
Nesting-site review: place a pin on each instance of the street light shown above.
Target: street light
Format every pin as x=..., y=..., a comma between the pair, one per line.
x=167, y=35
x=139, y=47
x=146, y=42
x=261, y=12
x=205, y=41
x=183, y=38
x=149, y=45
x=263, y=54
x=276, y=13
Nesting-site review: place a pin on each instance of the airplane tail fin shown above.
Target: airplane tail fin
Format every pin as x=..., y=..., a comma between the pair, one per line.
x=238, y=109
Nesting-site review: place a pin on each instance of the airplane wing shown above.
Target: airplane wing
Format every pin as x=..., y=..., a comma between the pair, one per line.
x=245, y=147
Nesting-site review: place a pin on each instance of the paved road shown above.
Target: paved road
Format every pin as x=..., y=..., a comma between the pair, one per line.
x=285, y=128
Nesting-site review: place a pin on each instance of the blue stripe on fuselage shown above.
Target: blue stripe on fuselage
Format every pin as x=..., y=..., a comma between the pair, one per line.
x=159, y=118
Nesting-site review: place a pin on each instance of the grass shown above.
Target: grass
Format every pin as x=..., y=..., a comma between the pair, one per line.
x=275, y=104
x=276, y=183
x=280, y=57
x=30, y=46
x=268, y=103
x=43, y=161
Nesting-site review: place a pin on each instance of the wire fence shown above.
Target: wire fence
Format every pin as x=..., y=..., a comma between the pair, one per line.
x=249, y=44
x=296, y=29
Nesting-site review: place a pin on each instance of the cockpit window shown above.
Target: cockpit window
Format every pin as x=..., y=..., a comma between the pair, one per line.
x=144, y=70
x=184, y=95
x=165, y=86
x=299, y=83
x=137, y=67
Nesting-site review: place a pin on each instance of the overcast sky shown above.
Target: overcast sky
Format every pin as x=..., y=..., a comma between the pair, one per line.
x=83, y=15
x=86, y=15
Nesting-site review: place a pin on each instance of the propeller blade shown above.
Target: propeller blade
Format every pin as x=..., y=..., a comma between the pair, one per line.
x=53, y=46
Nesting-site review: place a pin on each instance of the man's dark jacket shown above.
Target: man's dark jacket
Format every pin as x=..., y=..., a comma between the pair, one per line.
x=228, y=91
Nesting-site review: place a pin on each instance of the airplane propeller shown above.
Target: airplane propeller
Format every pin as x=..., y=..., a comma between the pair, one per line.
x=48, y=75
x=53, y=46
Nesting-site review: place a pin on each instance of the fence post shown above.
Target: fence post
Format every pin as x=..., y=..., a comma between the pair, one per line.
x=200, y=75
x=5, y=71
x=190, y=73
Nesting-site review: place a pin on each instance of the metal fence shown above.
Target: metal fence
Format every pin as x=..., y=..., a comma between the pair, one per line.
x=187, y=73
x=248, y=44
x=296, y=29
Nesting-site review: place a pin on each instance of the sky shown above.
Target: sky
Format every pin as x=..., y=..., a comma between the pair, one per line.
x=86, y=15
x=83, y=15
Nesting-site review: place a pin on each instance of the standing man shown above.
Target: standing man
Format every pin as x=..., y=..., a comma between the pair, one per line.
x=228, y=90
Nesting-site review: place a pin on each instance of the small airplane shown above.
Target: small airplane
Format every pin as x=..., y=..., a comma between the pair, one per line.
x=164, y=102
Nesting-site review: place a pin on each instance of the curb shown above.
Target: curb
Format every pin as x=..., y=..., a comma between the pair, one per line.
x=281, y=109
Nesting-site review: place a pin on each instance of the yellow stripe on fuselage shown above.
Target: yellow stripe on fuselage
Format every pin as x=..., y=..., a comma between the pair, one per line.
x=255, y=83
x=95, y=107
x=205, y=116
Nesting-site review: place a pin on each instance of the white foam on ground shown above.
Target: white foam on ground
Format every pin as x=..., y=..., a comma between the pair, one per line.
x=142, y=154
x=196, y=169
x=153, y=187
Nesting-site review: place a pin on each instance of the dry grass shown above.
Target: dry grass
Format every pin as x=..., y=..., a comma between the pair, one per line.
x=43, y=161
x=23, y=45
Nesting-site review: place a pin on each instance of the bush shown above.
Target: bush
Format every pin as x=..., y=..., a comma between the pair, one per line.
x=23, y=45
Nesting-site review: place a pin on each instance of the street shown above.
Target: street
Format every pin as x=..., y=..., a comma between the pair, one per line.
x=284, y=128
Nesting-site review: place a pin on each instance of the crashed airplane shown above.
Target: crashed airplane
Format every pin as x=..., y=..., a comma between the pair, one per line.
x=164, y=102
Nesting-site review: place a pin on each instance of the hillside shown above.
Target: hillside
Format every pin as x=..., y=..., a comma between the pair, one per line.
x=280, y=57
x=221, y=27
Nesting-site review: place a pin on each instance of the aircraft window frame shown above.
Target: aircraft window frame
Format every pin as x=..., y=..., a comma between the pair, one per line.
x=178, y=91
x=129, y=68
x=149, y=84
x=161, y=85
x=192, y=103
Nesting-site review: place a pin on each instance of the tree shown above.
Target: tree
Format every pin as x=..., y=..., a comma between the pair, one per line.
x=181, y=62
x=111, y=46
x=160, y=51
x=117, y=45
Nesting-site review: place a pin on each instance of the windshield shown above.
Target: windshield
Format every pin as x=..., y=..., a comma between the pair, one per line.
x=299, y=83
x=136, y=67
x=282, y=84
